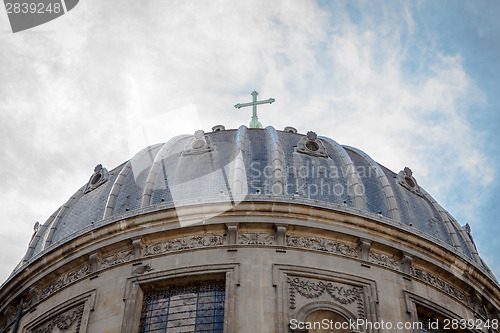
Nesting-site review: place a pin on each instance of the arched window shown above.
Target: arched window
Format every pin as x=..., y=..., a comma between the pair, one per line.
x=197, y=307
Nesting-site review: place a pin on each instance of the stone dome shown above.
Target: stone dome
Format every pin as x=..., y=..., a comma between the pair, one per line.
x=259, y=165
x=248, y=230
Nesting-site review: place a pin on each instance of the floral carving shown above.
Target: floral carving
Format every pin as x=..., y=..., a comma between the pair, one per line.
x=311, y=289
x=63, y=322
x=314, y=289
x=256, y=239
x=117, y=258
x=184, y=243
x=65, y=280
x=321, y=244
x=384, y=260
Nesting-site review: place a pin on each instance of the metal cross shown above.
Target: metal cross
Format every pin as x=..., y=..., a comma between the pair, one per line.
x=255, y=123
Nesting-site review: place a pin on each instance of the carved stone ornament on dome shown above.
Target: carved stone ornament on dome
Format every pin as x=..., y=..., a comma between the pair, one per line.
x=468, y=232
x=200, y=144
x=405, y=178
x=36, y=227
x=99, y=177
x=311, y=145
x=218, y=128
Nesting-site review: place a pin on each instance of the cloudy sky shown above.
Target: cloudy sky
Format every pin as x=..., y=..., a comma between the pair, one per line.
x=413, y=83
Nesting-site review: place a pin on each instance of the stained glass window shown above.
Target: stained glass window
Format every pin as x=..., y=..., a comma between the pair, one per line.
x=194, y=308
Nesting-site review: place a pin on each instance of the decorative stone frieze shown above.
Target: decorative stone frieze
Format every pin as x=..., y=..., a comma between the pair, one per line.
x=442, y=285
x=256, y=239
x=64, y=280
x=321, y=244
x=117, y=258
x=384, y=260
x=184, y=243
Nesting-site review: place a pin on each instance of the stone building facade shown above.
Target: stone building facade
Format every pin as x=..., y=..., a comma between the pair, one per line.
x=251, y=230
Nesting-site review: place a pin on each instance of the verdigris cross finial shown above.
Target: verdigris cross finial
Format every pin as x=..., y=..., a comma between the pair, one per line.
x=254, y=123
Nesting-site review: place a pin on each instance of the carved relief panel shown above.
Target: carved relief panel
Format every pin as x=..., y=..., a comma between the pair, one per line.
x=67, y=322
x=303, y=291
x=69, y=317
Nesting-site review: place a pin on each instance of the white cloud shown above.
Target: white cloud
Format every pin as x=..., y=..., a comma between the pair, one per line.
x=71, y=97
